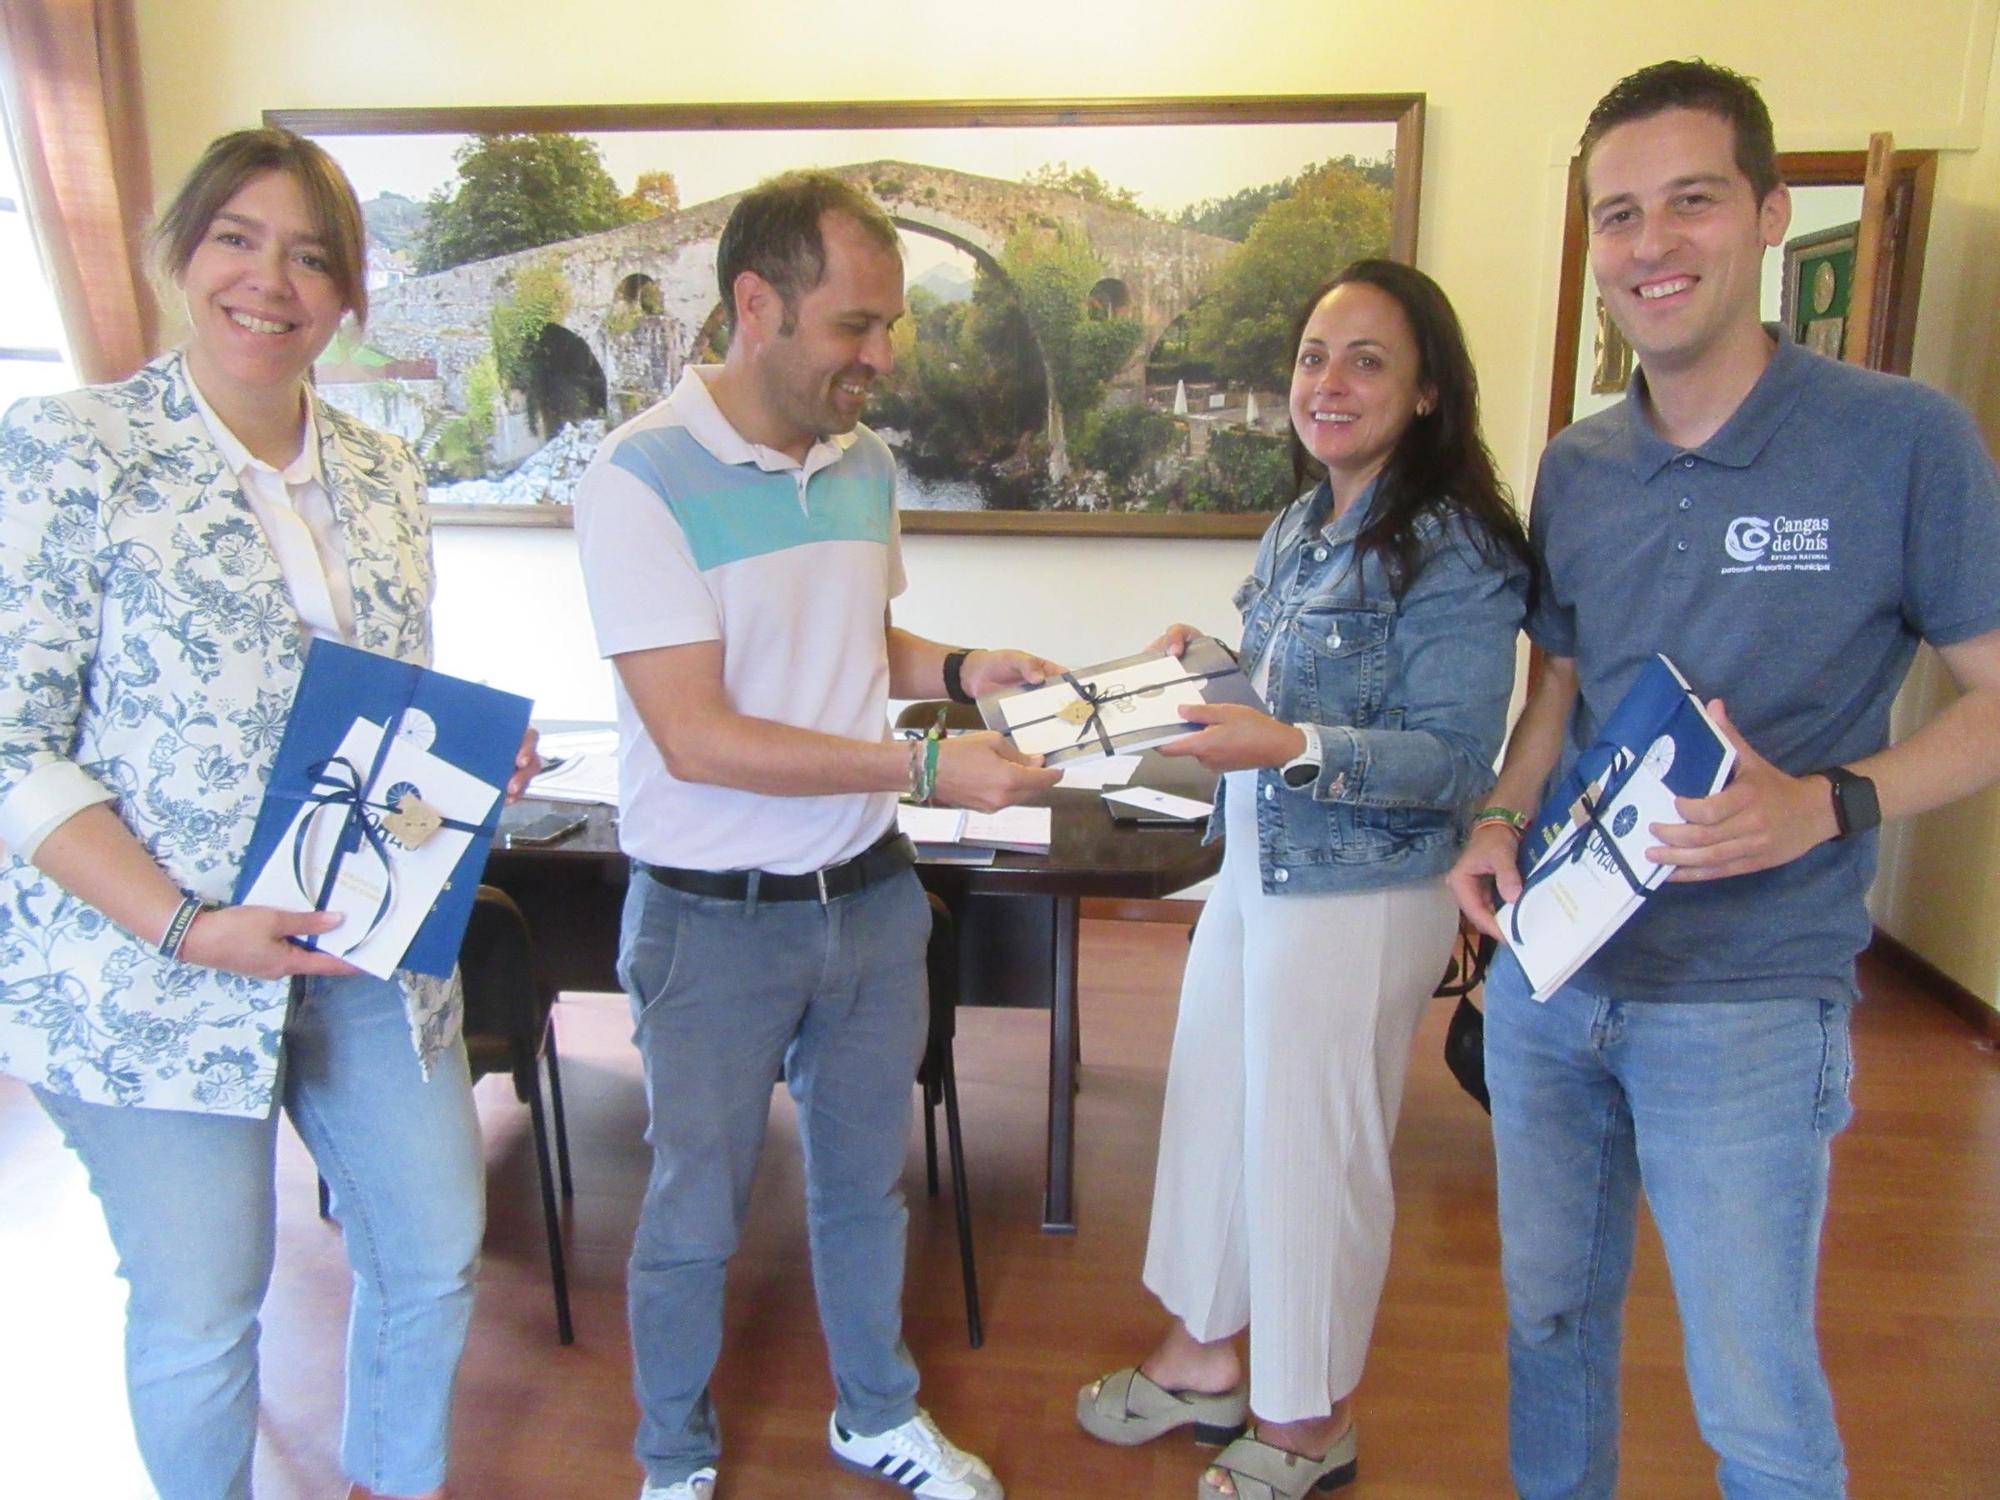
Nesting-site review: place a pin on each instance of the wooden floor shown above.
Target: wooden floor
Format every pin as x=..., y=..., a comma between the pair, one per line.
x=1911, y=1288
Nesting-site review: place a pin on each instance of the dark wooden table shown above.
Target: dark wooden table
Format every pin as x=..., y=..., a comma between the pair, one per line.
x=1017, y=920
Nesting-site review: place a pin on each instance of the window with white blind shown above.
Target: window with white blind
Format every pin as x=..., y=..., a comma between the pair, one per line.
x=34, y=356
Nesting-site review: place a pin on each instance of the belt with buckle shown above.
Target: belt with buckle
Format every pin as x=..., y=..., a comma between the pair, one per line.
x=889, y=855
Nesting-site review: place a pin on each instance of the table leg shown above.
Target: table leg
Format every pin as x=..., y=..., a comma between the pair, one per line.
x=1058, y=1205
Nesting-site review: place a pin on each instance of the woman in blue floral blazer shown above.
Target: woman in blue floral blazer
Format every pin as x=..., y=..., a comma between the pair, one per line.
x=168, y=545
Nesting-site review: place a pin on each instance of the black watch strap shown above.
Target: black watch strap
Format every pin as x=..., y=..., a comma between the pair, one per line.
x=1855, y=806
x=954, y=684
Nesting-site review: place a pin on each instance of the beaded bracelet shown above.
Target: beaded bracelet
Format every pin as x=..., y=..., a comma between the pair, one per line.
x=1505, y=817
x=179, y=925
x=932, y=740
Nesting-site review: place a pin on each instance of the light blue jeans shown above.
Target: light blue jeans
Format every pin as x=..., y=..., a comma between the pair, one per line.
x=724, y=995
x=191, y=1204
x=1723, y=1114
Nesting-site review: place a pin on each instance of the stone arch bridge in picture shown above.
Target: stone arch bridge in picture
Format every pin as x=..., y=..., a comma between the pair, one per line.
x=642, y=298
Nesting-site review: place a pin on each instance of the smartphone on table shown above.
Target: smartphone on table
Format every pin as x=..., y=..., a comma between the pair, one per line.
x=536, y=830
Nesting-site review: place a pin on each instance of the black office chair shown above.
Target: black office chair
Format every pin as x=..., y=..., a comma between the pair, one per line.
x=939, y=1081
x=508, y=1028
x=917, y=717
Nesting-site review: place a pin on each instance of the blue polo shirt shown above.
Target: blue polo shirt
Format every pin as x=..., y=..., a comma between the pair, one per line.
x=1788, y=566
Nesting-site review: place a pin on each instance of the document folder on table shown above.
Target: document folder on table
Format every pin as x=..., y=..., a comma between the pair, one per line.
x=323, y=809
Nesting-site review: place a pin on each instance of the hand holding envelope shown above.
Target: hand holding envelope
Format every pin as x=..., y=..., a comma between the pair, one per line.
x=385, y=828
x=1118, y=706
x=381, y=807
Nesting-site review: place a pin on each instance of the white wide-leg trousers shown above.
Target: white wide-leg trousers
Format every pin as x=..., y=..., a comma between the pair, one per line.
x=1272, y=1205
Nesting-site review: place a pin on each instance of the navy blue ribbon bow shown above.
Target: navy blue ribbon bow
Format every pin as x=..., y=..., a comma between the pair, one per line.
x=338, y=782
x=1570, y=851
x=1089, y=693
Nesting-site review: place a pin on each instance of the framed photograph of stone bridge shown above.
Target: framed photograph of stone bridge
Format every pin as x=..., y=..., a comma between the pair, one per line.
x=1100, y=292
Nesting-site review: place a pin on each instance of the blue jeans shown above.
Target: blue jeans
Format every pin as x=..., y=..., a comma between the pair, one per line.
x=1723, y=1114
x=725, y=994
x=191, y=1203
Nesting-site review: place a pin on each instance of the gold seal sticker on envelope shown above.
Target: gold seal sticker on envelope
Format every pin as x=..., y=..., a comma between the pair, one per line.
x=413, y=822
x=1078, y=712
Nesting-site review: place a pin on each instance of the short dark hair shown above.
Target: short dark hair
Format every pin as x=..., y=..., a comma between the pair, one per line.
x=229, y=163
x=774, y=230
x=1441, y=462
x=1691, y=84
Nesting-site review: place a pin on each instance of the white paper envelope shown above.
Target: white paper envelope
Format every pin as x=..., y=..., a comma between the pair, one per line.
x=1131, y=707
x=413, y=877
x=1567, y=915
x=1159, y=804
x=1028, y=829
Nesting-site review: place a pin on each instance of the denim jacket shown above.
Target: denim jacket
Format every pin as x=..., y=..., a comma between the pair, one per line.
x=1410, y=695
x=148, y=655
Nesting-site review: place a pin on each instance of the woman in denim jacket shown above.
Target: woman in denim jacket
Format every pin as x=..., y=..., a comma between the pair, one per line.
x=168, y=546
x=1379, y=625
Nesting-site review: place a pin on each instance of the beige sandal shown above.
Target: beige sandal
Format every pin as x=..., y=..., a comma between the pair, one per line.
x=1127, y=1408
x=1262, y=1472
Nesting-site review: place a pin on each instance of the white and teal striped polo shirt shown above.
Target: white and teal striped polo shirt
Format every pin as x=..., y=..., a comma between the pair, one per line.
x=687, y=532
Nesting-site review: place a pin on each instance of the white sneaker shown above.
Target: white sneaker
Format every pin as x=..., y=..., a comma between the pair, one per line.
x=700, y=1485
x=919, y=1458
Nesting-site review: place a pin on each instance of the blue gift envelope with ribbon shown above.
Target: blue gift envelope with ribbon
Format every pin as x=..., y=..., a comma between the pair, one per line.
x=381, y=806
x=1584, y=870
x=1118, y=707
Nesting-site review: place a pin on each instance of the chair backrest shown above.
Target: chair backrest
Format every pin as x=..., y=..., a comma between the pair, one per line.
x=923, y=713
x=504, y=994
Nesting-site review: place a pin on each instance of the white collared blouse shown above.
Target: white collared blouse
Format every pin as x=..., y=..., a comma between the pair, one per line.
x=149, y=651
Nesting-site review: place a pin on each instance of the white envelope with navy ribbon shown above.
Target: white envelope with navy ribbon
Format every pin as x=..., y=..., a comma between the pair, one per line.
x=1120, y=706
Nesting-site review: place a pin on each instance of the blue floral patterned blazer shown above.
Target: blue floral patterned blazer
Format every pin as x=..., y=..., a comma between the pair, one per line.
x=147, y=642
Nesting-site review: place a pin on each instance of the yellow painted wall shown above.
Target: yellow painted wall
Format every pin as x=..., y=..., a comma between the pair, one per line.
x=1940, y=888
x=1508, y=86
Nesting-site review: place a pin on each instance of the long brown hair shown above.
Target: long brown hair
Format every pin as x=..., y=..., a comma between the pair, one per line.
x=1441, y=463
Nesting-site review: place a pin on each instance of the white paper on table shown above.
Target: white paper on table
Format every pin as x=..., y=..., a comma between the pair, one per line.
x=929, y=825
x=1029, y=830
x=581, y=778
x=1033, y=720
x=1160, y=804
x=417, y=875
x=1567, y=915
x=1093, y=775
x=567, y=742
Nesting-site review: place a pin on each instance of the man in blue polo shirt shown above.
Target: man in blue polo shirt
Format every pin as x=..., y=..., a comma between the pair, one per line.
x=740, y=550
x=1785, y=529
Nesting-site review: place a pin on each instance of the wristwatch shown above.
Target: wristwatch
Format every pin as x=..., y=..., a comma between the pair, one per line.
x=954, y=682
x=1302, y=770
x=1855, y=808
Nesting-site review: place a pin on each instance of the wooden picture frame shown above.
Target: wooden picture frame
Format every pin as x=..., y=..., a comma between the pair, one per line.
x=1818, y=284
x=614, y=313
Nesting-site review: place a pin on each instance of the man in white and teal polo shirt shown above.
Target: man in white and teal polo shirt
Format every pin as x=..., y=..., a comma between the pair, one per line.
x=740, y=550
x=1786, y=529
